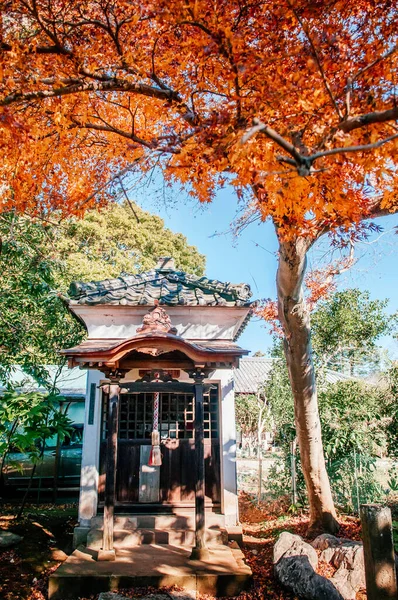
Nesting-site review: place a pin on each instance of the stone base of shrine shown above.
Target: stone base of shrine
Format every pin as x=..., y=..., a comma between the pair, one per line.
x=223, y=573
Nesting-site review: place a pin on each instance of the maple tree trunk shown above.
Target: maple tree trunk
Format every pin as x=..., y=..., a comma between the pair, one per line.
x=295, y=319
x=259, y=456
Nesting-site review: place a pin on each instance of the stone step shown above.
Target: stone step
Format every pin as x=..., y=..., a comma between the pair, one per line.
x=224, y=573
x=160, y=522
x=128, y=538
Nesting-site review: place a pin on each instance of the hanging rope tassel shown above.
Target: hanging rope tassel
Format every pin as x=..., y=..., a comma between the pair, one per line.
x=155, y=457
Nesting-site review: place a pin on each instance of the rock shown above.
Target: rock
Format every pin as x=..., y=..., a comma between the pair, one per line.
x=8, y=539
x=326, y=543
x=347, y=557
x=342, y=582
x=297, y=575
x=57, y=554
x=350, y=558
x=289, y=545
x=111, y=596
x=340, y=552
x=183, y=595
x=295, y=563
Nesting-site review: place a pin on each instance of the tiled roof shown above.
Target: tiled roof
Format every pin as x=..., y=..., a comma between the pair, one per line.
x=255, y=370
x=162, y=285
x=335, y=376
x=252, y=372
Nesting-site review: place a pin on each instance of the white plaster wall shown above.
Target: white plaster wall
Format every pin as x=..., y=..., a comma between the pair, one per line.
x=88, y=499
x=228, y=445
x=193, y=323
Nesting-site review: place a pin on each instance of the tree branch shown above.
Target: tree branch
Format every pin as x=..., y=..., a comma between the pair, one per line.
x=317, y=60
x=128, y=200
x=343, y=150
x=303, y=163
x=258, y=126
x=4, y=47
x=110, y=129
x=115, y=85
x=199, y=26
x=375, y=211
x=381, y=116
x=329, y=357
x=373, y=63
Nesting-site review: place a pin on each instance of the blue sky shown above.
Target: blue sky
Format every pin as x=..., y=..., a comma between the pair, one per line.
x=251, y=257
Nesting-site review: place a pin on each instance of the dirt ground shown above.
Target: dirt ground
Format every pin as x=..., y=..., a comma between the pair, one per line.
x=47, y=532
x=261, y=527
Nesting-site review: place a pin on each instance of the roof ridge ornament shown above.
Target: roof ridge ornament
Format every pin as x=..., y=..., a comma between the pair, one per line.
x=157, y=321
x=165, y=263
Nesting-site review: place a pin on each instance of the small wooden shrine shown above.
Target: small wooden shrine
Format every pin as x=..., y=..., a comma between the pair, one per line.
x=159, y=432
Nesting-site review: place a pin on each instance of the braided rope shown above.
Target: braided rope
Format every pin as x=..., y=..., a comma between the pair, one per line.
x=155, y=457
x=156, y=411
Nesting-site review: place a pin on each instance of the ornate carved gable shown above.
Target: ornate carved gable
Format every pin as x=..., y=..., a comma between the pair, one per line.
x=156, y=321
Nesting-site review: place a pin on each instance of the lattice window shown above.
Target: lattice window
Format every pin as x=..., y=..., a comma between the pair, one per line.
x=176, y=415
x=136, y=414
x=210, y=407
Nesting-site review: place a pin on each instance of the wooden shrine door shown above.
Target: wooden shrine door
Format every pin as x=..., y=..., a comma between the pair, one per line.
x=173, y=483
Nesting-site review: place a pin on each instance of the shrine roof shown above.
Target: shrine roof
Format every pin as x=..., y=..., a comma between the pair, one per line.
x=112, y=353
x=162, y=285
x=93, y=346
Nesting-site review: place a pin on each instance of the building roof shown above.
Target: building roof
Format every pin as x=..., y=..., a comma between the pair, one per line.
x=69, y=382
x=162, y=285
x=254, y=371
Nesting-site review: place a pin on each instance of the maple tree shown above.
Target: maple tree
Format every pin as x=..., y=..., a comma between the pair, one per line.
x=292, y=102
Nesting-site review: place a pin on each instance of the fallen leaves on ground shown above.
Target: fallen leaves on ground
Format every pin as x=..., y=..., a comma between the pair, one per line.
x=25, y=569
x=47, y=532
x=262, y=524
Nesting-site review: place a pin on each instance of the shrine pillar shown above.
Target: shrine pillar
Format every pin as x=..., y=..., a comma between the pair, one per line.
x=107, y=551
x=199, y=551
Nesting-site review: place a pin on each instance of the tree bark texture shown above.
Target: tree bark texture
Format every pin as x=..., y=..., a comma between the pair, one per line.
x=295, y=319
x=260, y=428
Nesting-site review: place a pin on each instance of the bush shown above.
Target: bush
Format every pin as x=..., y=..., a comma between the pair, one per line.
x=353, y=433
x=353, y=482
x=351, y=420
